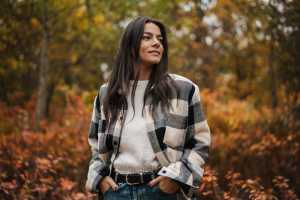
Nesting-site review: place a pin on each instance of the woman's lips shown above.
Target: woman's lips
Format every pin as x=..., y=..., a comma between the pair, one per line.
x=156, y=53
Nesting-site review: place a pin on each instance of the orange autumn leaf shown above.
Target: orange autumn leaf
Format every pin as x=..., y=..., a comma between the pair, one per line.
x=66, y=184
x=43, y=163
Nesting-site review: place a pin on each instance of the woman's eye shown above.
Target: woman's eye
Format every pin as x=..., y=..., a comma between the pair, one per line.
x=146, y=38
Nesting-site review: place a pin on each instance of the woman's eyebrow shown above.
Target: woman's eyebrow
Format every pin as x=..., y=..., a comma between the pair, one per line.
x=149, y=33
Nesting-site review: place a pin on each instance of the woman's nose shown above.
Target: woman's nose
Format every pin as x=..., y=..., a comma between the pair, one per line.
x=156, y=41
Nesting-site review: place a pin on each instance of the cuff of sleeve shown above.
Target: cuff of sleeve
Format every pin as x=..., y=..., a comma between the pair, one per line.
x=183, y=176
x=93, y=185
x=179, y=172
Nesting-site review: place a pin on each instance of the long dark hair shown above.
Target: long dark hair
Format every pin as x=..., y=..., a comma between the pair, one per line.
x=160, y=83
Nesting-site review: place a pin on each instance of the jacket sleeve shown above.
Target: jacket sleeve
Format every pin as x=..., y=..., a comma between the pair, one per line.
x=188, y=171
x=97, y=165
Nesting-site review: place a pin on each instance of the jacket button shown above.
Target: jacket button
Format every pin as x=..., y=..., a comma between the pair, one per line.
x=115, y=143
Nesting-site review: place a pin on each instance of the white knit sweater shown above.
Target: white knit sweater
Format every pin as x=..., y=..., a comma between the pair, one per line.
x=136, y=154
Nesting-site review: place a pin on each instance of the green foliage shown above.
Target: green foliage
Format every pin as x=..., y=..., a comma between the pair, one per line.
x=254, y=42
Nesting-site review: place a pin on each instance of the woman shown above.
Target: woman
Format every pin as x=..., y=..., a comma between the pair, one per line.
x=148, y=135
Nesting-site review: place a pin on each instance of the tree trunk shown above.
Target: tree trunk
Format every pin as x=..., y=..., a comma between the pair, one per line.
x=273, y=84
x=41, y=106
x=51, y=88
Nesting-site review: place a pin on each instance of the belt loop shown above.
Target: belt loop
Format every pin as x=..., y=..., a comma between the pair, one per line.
x=142, y=177
x=153, y=176
x=110, y=170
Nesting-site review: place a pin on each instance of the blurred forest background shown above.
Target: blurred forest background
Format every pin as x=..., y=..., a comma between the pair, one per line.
x=243, y=54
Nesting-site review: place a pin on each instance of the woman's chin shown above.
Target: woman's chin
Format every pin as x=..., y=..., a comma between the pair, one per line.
x=154, y=61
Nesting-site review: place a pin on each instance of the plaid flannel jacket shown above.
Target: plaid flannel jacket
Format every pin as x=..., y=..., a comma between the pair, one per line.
x=180, y=138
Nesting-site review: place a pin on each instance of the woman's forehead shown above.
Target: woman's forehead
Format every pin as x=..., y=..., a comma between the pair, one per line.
x=151, y=28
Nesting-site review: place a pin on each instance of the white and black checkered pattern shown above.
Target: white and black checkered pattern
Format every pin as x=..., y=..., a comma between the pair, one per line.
x=180, y=138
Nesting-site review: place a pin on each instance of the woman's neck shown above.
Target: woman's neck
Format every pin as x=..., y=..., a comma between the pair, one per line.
x=145, y=72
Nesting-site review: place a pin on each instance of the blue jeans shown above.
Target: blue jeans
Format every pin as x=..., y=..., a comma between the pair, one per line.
x=137, y=192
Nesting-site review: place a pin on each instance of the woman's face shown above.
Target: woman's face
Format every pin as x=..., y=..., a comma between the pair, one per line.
x=151, y=48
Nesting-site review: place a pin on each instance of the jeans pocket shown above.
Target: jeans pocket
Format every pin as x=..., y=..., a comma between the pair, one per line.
x=121, y=185
x=107, y=191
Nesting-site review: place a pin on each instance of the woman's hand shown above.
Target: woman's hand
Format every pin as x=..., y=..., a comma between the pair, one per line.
x=106, y=183
x=166, y=184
